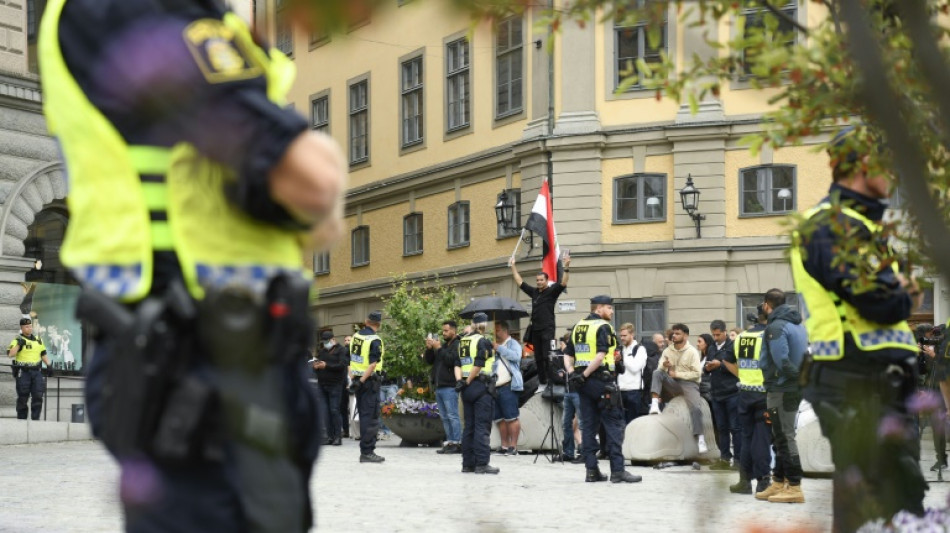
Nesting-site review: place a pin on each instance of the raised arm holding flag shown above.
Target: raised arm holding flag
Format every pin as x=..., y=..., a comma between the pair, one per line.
x=549, y=283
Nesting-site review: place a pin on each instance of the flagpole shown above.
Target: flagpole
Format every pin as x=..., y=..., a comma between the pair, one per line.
x=517, y=245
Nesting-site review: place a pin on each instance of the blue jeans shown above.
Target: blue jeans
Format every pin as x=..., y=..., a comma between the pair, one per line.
x=572, y=406
x=631, y=405
x=386, y=393
x=448, y=401
x=726, y=413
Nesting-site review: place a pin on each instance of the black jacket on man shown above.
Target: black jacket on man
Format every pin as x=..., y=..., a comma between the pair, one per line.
x=723, y=383
x=337, y=359
x=443, y=361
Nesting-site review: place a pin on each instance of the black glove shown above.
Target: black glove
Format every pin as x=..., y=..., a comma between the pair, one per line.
x=49, y=371
x=460, y=385
x=354, y=386
x=577, y=379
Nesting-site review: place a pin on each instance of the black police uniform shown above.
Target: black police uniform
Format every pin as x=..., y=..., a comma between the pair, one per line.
x=852, y=396
x=756, y=451
x=478, y=406
x=367, y=399
x=597, y=413
x=130, y=59
x=330, y=382
x=30, y=384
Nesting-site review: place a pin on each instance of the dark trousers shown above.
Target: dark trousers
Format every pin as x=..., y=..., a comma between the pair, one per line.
x=476, y=435
x=728, y=427
x=631, y=404
x=331, y=393
x=756, y=457
x=863, y=412
x=345, y=411
x=592, y=415
x=367, y=405
x=246, y=491
x=30, y=385
x=541, y=338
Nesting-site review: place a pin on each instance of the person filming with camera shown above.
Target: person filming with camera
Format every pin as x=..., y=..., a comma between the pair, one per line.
x=443, y=356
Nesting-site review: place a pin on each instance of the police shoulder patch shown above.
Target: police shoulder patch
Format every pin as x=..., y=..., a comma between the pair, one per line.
x=219, y=53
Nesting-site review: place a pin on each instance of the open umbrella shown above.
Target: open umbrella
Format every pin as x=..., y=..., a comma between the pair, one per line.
x=496, y=307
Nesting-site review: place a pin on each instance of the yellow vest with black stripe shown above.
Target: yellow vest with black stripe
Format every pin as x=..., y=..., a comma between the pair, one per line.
x=468, y=349
x=748, y=347
x=359, y=353
x=31, y=352
x=126, y=202
x=828, y=318
x=584, y=337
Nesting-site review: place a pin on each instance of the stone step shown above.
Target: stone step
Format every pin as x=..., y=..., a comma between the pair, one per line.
x=13, y=431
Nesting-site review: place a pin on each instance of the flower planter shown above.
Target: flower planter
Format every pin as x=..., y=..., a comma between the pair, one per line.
x=415, y=429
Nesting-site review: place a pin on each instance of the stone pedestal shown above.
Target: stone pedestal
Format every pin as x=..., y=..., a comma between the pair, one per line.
x=668, y=436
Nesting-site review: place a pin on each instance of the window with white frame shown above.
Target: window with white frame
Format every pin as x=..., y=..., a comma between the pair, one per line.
x=412, y=234
x=360, y=246
x=514, y=200
x=509, y=67
x=767, y=190
x=779, y=30
x=321, y=263
x=640, y=198
x=284, y=36
x=746, y=304
x=457, y=85
x=412, y=123
x=359, y=122
x=459, y=224
x=648, y=316
x=320, y=113
x=632, y=41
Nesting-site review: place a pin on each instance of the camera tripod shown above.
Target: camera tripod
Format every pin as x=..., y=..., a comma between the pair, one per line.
x=554, y=454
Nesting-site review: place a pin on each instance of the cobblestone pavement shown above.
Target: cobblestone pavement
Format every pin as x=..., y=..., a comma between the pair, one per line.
x=70, y=487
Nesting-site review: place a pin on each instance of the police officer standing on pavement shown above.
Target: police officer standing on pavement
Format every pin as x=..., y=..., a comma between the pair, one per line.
x=756, y=454
x=863, y=350
x=476, y=384
x=591, y=358
x=192, y=188
x=366, y=366
x=27, y=351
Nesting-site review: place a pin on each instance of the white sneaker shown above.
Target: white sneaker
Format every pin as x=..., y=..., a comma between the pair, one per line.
x=655, y=408
x=701, y=444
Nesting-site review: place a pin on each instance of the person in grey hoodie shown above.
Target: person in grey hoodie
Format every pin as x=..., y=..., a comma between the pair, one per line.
x=786, y=342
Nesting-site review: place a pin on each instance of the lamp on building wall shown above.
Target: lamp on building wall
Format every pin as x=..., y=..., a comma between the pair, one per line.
x=504, y=211
x=689, y=195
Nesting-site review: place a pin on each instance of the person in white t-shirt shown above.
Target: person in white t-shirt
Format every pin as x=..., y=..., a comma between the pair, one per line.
x=631, y=381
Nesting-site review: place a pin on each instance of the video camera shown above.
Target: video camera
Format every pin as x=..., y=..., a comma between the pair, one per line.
x=929, y=335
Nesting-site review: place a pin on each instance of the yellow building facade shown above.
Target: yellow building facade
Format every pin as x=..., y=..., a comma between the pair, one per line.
x=439, y=116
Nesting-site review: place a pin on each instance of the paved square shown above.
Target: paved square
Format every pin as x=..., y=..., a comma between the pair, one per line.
x=70, y=487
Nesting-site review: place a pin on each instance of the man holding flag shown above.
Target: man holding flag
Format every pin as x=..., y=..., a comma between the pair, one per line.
x=549, y=283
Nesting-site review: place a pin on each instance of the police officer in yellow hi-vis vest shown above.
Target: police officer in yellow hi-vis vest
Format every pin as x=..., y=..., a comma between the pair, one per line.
x=863, y=352
x=27, y=351
x=743, y=361
x=592, y=361
x=366, y=367
x=193, y=192
x=476, y=384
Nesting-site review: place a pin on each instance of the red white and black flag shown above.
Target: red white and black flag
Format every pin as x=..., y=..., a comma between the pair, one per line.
x=541, y=222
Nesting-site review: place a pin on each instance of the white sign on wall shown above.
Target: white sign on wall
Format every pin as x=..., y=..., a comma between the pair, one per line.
x=567, y=306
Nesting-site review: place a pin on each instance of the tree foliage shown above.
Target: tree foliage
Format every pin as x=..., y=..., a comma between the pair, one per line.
x=412, y=310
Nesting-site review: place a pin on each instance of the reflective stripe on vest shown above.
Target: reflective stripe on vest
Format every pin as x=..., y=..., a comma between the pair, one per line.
x=748, y=348
x=828, y=318
x=359, y=353
x=31, y=353
x=159, y=199
x=468, y=350
x=584, y=337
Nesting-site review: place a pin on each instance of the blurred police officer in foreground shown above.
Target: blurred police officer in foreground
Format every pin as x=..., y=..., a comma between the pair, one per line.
x=366, y=366
x=475, y=382
x=591, y=360
x=27, y=351
x=756, y=454
x=192, y=189
x=863, y=350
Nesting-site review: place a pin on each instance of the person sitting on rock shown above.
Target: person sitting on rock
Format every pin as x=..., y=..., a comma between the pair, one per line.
x=679, y=374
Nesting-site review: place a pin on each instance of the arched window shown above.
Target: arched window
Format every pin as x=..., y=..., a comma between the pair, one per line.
x=43, y=242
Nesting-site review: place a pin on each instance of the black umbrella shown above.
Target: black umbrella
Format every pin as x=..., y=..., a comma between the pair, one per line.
x=496, y=307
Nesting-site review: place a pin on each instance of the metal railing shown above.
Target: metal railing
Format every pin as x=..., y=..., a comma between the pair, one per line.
x=7, y=368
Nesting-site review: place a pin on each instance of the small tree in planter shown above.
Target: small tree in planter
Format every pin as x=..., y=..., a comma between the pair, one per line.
x=412, y=310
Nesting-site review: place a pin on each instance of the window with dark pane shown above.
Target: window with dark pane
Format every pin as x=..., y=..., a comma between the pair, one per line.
x=774, y=29
x=767, y=190
x=360, y=246
x=458, y=224
x=412, y=234
x=458, y=81
x=359, y=122
x=509, y=71
x=412, y=102
x=632, y=44
x=640, y=198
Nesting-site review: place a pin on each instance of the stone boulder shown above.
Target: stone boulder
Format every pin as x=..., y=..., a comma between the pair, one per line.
x=813, y=448
x=535, y=417
x=668, y=436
